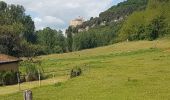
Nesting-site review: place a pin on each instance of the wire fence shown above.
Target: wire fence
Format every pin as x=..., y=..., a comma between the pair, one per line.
x=51, y=77
x=45, y=78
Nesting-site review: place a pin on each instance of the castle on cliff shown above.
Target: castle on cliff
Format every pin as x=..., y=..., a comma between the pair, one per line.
x=77, y=21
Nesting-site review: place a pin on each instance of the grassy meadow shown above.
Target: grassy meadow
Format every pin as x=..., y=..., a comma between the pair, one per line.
x=125, y=71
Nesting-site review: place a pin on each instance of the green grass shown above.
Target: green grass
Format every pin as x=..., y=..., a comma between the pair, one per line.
x=124, y=71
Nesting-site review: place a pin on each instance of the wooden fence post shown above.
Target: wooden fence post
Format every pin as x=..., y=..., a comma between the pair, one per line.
x=18, y=77
x=27, y=95
x=53, y=78
x=39, y=77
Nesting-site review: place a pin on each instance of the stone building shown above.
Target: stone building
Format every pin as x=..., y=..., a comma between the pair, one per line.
x=76, y=22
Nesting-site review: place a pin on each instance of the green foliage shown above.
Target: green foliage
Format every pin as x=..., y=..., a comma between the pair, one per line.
x=75, y=72
x=32, y=50
x=8, y=78
x=102, y=30
x=58, y=49
x=52, y=40
x=132, y=69
x=9, y=38
x=11, y=14
x=29, y=33
x=130, y=19
x=149, y=24
x=31, y=69
x=15, y=26
x=69, y=33
x=157, y=28
x=95, y=37
x=123, y=9
x=117, y=12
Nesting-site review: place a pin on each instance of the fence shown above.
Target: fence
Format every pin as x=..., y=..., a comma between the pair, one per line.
x=47, y=78
x=53, y=77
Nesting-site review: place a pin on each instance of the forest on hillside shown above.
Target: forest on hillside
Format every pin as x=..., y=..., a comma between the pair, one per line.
x=103, y=30
x=131, y=19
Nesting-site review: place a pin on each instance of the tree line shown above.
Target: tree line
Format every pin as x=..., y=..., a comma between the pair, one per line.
x=103, y=30
x=131, y=19
x=19, y=38
x=150, y=24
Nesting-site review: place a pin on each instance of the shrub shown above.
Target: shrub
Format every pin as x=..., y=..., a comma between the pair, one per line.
x=29, y=50
x=31, y=70
x=31, y=73
x=8, y=78
x=157, y=28
x=75, y=72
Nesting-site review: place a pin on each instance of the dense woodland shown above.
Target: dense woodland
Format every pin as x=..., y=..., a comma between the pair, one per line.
x=150, y=24
x=19, y=38
x=131, y=19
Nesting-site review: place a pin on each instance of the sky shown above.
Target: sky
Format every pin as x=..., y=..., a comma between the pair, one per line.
x=58, y=13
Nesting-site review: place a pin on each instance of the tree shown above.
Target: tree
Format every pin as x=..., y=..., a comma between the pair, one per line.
x=157, y=28
x=3, y=6
x=52, y=40
x=9, y=38
x=69, y=38
x=15, y=27
x=29, y=33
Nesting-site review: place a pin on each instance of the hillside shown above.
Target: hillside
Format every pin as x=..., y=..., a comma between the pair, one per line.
x=129, y=20
x=152, y=23
x=128, y=70
x=114, y=14
x=102, y=30
x=133, y=64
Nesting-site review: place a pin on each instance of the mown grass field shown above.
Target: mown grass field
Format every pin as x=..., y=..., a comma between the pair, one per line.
x=124, y=71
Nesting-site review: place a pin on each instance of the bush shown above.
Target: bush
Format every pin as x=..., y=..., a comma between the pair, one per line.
x=157, y=28
x=149, y=24
x=75, y=72
x=8, y=78
x=29, y=50
x=31, y=73
x=31, y=70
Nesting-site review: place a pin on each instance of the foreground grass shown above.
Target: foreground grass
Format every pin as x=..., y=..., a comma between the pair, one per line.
x=29, y=85
x=125, y=71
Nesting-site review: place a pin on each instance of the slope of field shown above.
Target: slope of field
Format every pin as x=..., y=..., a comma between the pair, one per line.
x=124, y=71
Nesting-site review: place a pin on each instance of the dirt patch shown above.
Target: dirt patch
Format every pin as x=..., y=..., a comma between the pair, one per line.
x=167, y=50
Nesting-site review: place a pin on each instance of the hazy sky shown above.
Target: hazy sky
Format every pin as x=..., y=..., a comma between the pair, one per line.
x=57, y=13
